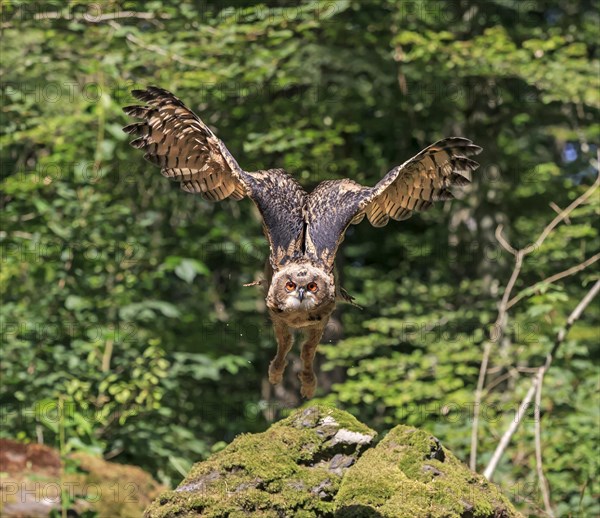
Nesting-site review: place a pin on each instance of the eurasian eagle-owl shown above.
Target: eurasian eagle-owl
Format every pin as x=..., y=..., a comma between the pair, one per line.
x=304, y=229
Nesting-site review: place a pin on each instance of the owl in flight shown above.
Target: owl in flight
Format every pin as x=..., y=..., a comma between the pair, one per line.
x=304, y=229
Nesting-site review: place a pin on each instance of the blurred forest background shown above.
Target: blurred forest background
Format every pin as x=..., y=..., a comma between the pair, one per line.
x=122, y=297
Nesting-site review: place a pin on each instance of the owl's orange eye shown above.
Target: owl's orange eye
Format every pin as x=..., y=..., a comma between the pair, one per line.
x=290, y=286
x=312, y=286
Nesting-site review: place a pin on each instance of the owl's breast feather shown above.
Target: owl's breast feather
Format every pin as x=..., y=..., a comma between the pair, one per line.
x=299, y=317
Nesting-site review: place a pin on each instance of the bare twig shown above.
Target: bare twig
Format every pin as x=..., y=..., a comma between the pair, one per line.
x=537, y=380
x=500, y=379
x=155, y=48
x=502, y=240
x=16, y=234
x=562, y=215
x=538, y=449
x=551, y=279
x=107, y=355
x=506, y=303
x=495, y=336
x=487, y=349
x=557, y=209
x=90, y=17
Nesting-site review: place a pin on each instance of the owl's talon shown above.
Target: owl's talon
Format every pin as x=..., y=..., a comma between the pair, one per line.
x=275, y=377
x=276, y=373
x=346, y=297
x=256, y=283
x=308, y=391
x=308, y=385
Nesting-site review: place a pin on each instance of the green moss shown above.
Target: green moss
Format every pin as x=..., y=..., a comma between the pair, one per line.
x=410, y=474
x=295, y=467
x=313, y=463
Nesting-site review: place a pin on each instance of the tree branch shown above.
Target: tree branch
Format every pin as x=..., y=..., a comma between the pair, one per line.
x=499, y=326
x=92, y=18
x=506, y=303
x=538, y=449
x=551, y=279
x=562, y=215
x=537, y=380
x=502, y=240
x=157, y=50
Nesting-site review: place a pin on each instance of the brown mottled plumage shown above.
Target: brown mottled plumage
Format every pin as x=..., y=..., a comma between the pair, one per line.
x=304, y=230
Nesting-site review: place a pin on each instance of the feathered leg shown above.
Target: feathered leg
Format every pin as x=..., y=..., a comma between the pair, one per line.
x=284, y=344
x=307, y=376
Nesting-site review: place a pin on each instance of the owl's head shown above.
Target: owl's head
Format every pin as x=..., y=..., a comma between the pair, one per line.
x=301, y=287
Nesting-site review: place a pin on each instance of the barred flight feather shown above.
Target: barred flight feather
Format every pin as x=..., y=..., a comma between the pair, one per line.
x=298, y=225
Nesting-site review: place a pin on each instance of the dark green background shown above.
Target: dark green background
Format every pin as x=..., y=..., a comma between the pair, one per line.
x=123, y=297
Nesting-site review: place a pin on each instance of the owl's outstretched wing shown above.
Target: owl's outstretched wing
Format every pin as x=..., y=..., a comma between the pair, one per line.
x=187, y=151
x=412, y=186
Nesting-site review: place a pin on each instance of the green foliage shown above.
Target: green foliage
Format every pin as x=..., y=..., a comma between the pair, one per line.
x=123, y=297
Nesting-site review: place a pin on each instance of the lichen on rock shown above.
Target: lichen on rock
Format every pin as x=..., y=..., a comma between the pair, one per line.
x=322, y=462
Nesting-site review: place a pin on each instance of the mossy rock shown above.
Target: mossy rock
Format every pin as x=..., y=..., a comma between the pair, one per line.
x=321, y=462
x=293, y=469
x=410, y=474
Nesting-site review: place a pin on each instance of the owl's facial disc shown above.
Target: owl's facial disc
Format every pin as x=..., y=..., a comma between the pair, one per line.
x=299, y=296
x=301, y=288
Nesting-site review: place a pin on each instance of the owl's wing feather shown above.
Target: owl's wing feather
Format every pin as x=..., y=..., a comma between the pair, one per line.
x=412, y=186
x=422, y=180
x=330, y=209
x=187, y=151
x=280, y=200
x=175, y=138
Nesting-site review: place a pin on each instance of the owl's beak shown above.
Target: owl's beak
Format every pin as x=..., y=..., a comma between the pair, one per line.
x=301, y=292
